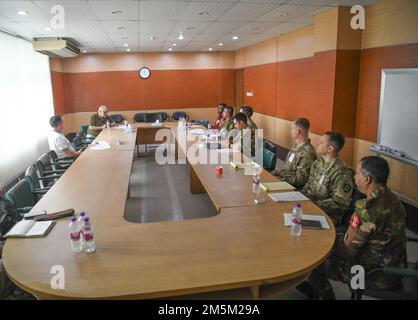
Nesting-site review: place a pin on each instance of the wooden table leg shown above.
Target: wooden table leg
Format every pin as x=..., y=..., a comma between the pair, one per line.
x=195, y=184
x=255, y=291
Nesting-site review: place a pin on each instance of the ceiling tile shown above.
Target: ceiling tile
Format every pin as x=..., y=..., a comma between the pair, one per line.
x=121, y=27
x=286, y=13
x=156, y=26
x=39, y=29
x=246, y=11
x=105, y=10
x=223, y=27
x=285, y=27
x=85, y=27
x=73, y=10
x=211, y=10
x=191, y=27
x=161, y=10
x=9, y=10
x=255, y=27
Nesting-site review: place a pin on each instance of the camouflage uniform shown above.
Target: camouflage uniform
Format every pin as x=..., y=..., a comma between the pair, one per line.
x=298, y=165
x=251, y=123
x=330, y=186
x=228, y=125
x=246, y=137
x=375, y=238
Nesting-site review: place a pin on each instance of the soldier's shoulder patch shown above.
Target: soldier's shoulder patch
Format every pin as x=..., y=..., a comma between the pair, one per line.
x=354, y=221
x=347, y=188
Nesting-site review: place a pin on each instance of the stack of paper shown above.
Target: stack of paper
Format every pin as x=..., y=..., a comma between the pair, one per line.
x=100, y=145
x=288, y=196
x=276, y=186
x=243, y=165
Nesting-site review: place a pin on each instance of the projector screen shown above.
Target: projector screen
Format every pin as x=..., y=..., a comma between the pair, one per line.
x=398, y=116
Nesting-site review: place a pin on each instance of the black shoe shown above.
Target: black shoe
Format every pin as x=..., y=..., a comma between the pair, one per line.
x=306, y=289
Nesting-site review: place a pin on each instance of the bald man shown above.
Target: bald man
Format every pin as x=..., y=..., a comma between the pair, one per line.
x=98, y=121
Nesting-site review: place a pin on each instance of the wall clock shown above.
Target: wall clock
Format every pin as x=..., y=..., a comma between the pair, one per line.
x=144, y=73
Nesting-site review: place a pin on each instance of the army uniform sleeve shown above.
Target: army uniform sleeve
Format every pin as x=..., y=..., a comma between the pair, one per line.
x=357, y=235
x=300, y=176
x=342, y=190
x=310, y=181
x=93, y=120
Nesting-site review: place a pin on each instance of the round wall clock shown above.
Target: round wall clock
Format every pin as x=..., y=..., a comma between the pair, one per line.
x=144, y=73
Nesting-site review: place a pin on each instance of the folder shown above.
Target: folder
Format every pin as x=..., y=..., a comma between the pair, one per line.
x=276, y=186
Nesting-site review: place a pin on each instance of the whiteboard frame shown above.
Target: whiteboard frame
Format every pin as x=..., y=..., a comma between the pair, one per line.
x=381, y=107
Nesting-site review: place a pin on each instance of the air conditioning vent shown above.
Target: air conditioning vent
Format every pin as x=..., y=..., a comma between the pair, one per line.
x=56, y=48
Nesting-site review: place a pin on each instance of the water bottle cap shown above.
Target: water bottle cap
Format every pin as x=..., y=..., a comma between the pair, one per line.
x=298, y=205
x=82, y=213
x=86, y=219
x=73, y=218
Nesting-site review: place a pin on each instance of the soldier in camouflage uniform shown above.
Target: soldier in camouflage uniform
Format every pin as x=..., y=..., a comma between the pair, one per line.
x=299, y=160
x=330, y=183
x=375, y=237
x=243, y=134
x=249, y=112
x=228, y=124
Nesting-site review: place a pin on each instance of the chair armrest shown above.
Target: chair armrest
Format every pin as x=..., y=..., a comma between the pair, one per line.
x=52, y=171
x=24, y=210
x=40, y=191
x=411, y=239
x=395, y=271
x=49, y=177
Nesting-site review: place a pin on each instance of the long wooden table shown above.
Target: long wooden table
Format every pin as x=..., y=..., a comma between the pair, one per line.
x=245, y=245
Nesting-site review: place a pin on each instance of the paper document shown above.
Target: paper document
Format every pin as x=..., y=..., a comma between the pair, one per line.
x=30, y=229
x=276, y=186
x=198, y=132
x=321, y=219
x=100, y=145
x=288, y=196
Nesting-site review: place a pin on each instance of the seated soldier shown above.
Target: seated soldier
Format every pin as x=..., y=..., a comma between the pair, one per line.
x=330, y=184
x=228, y=124
x=98, y=121
x=243, y=134
x=299, y=160
x=220, y=119
x=375, y=237
x=249, y=112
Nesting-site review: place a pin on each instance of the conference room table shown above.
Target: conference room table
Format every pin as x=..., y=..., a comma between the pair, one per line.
x=244, y=245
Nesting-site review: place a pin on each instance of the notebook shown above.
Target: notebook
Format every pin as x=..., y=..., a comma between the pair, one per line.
x=276, y=186
x=30, y=229
x=287, y=196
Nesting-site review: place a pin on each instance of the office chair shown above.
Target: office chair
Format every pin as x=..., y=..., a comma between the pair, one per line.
x=406, y=290
x=270, y=146
x=152, y=117
x=60, y=163
x=269, y=160
x=47, y=171
x=35, y=181
x=118, y=118
x=179, y=114
x=139, y=117
x=87, y=136
x=20, y=196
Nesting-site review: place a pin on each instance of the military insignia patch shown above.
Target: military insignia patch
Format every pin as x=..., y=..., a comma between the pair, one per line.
x=354, y=221
x=347, y=188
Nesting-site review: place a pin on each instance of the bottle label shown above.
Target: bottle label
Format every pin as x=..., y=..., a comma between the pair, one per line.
x=296, y=221
x=88, y=236
x=75, y=236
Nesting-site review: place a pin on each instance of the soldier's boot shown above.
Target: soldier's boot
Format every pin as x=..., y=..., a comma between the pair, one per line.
x=308, y=290
x=319, y=281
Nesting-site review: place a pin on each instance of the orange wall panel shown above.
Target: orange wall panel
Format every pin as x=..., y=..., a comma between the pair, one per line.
x=58, y=92
x=261, y=80
x=372, y=62
x=305, y=88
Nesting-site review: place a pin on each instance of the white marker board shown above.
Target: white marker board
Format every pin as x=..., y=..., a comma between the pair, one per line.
x=398, y=115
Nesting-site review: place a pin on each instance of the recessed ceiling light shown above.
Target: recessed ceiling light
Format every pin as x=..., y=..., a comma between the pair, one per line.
x=254, y=28
x=174, y=44
x=121, y=28
x=220, y=44
x=84, y=51
x=117, y=12
x=283, y=14
x=210, y=49
x=125, y=45
x=189, y=28
x=234, y=38
x=180, y=36
x=203, y=13
x=124, y=38
x=22, y=13
x=153, y=38
x=128, y=49
x=48, y=29
x=170, y=49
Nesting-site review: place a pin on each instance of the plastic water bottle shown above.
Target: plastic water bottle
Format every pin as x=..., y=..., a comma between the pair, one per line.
x=75, y=235
x=80, y=222
x=296, y=227
x=88, y=241
x=256, y=185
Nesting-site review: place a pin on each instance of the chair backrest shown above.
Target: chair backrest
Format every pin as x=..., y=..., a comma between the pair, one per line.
x=178, y=114
x=31, y=176
x=152, y=117
x=70, y=136
x=44, y=163
x=269, y=159
x=84, y=128
x=118, y=118
x=164, y=115
x=20, y=195
x=139, y=117
x=270, y=146
x=204, y=123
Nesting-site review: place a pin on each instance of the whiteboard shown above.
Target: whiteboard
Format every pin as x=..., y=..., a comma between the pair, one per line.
x=398, y=115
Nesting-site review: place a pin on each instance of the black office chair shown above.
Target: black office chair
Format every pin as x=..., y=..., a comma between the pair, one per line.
x=139, y=117
x=269, y=160
x=152, y=117
x=47, y=171
x=406, y=290
x=35, y=181
x=20, y=196
x=179, y=114
x=118, y=118
x=60, y=163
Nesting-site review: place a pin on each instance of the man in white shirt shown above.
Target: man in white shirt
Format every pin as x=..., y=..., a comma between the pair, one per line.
x=58, y=142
